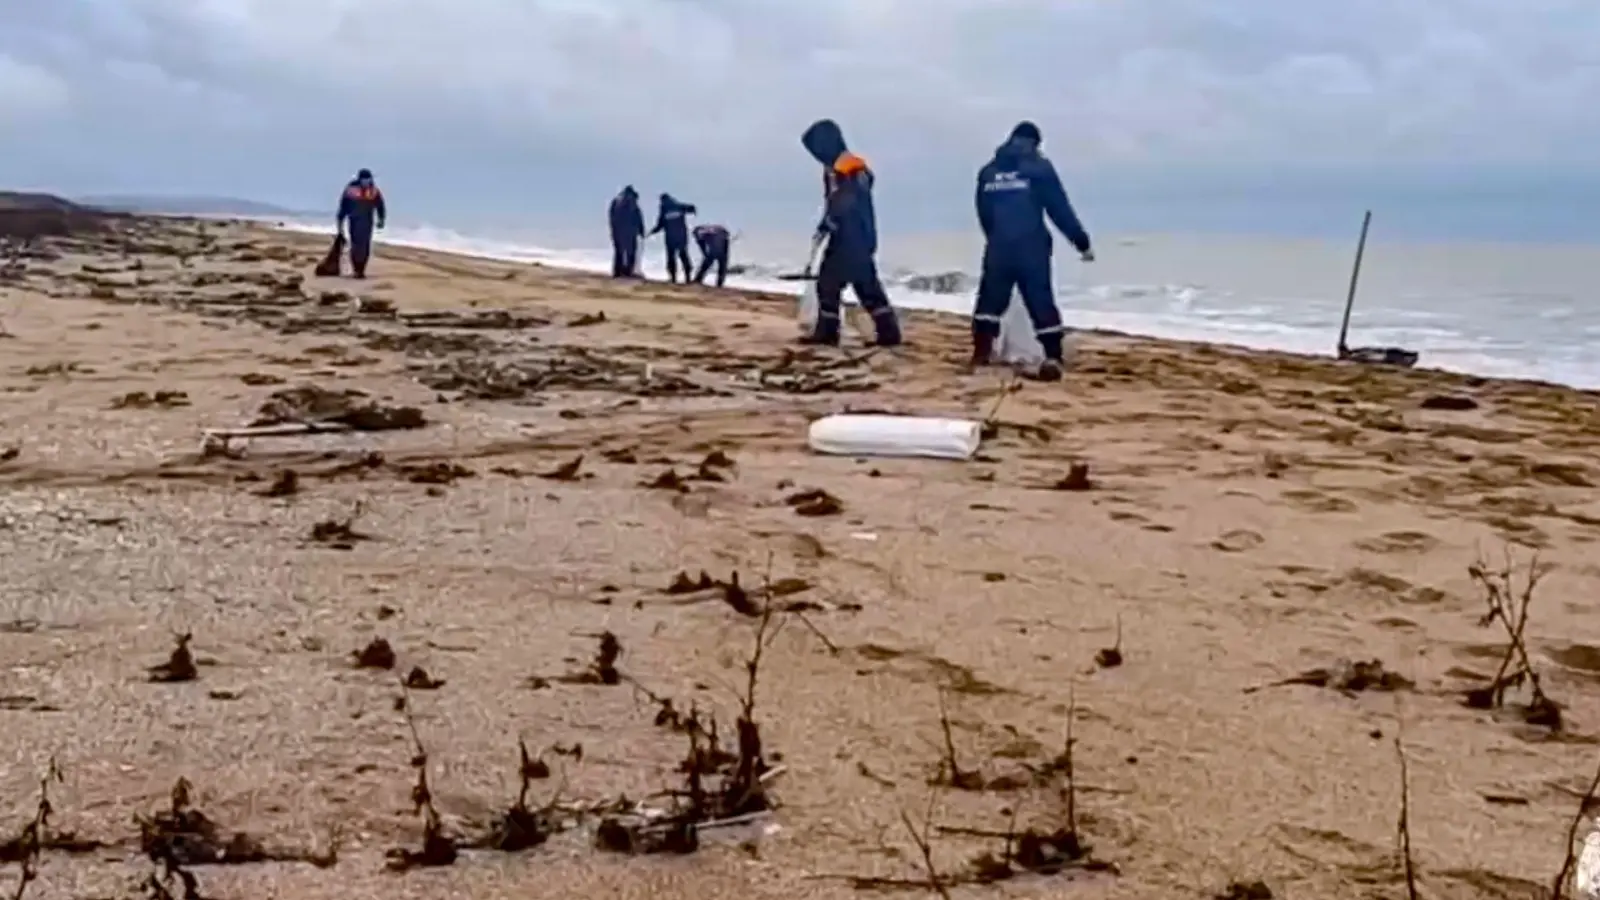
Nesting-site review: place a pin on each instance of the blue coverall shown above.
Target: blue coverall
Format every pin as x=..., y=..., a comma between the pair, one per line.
x=1016, y=191
x=672, y=219
x=850, y=225
x=627, y=228
x=715, y=243
x=362, y=207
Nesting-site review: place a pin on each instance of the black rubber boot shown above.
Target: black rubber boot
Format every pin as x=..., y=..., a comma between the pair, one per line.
x=982, y=350
x=887, y=325
x=826, y=333
x=1049, y=370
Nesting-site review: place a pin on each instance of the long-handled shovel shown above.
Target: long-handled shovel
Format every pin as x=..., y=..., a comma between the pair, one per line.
x=806, y=308
x=1388, y=356
x=811, y=262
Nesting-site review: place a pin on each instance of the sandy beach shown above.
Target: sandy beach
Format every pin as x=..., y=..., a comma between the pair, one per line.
x=502, y=499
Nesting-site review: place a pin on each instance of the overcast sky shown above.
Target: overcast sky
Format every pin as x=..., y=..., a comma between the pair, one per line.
x=543, y=108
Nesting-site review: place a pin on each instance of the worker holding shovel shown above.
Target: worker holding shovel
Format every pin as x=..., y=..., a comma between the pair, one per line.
x=849, y=226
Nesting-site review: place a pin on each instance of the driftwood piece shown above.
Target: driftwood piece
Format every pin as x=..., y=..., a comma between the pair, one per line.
x=287, y=429
x=219, y=441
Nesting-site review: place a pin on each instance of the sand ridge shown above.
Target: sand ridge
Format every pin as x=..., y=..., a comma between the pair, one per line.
x=1249, y=518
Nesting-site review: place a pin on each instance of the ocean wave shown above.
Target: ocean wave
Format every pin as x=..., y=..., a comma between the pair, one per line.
x=1177, y=311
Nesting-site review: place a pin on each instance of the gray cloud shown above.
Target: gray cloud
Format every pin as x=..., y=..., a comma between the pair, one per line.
x=679, y=84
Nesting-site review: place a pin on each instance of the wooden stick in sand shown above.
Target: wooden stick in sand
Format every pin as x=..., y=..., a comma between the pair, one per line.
x=1350, y=298
x=219, y=441
x=286, y=429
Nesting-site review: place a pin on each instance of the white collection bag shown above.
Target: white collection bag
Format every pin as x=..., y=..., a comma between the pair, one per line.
x=1019, y=346
x=807, y=307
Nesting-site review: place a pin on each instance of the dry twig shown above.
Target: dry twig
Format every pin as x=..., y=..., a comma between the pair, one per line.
x=27, y=848
x=950, y=773
x=438, y=848
x=1509, y=605
x=1403, y=826
x=936, y=882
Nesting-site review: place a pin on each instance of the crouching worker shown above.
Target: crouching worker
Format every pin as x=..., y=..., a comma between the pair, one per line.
x=1016, y=190
x=849, y=224
x=362, y=207
x=627, y=229
x=715, y=244
x=673, y=221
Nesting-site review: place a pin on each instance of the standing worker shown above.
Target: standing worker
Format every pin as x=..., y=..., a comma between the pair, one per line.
x=715, y=243
x=850, y=227
x=627, y=229
x=672, y=219
x=361, y=205
x=1016, y=190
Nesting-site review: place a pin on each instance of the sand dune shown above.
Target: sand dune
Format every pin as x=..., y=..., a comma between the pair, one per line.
x=1251, y=519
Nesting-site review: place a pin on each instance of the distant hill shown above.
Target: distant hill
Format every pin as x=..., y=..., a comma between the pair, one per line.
x=141, y=204
x=15, y=201
x=26, y=216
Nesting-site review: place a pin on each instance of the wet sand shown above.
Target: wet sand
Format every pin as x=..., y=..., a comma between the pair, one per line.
x=1250, y=517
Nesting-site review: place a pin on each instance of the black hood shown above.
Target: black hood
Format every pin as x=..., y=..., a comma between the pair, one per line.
x=1014, y=149
x=1023, y=141
x=824, y=140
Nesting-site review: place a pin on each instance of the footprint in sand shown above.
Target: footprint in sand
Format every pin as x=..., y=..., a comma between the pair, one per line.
x=1377, y=581
x=1517, y=531
x=1396, y=623
x=1318, y=502
x=1424, y=596
x=1494, y=652
x=1135, y=519
x=1519, y=507
x=1238, y=541
x=1366, y=585
x=1559, y=474
x=1577, y=657
x=1399, y=542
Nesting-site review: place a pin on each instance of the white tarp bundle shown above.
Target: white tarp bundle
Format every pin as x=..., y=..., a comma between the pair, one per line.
x=848, y=434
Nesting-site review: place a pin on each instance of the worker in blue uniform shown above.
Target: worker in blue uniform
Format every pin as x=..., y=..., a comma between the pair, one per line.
x=850, y=227
x=361, y=210
x=627, y=229
x=672, y=220
x=1016, y=191
x=715, y=245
